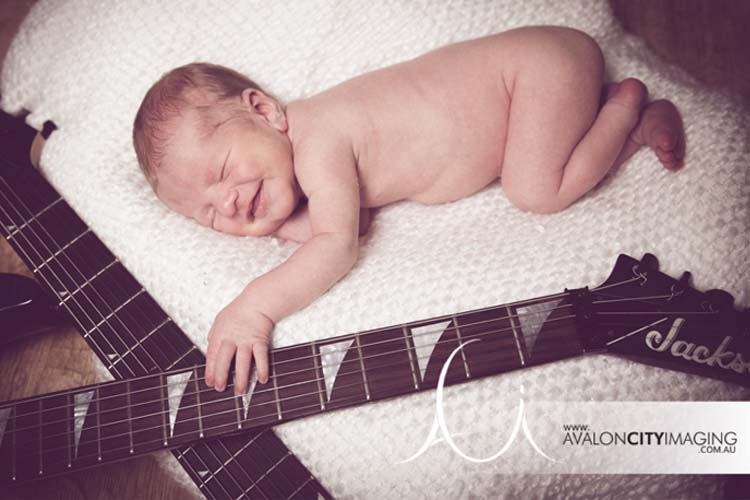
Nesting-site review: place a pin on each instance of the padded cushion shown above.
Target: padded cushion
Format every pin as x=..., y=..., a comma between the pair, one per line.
x=86, y=65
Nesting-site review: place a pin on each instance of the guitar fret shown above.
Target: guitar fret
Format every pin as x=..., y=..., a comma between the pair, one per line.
x=69, y=294
x=141, y=341
x=238, y=410
x=265, y=474
x=98, y=426
x=13, y=450
x=515, y=335
x=198, y=402
x=411, y=357
x=34, y=216
x=130, y=415
x=41, y=435
x=297, y=381
x=234, y=456
x=220, y=469
x=112, y=314
x=163, y=399
x=301, y=487
x=275, y=387
x=457, y=330
x=178, y=360
x=181, y=455
x=318, y=375
x=362, y=366
x=208, y=471
x=61, y=250
x=387, y=363
x=71, y=430
x=280, y=469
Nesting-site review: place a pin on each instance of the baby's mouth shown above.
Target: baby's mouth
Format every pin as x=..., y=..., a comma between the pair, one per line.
x=258, y=207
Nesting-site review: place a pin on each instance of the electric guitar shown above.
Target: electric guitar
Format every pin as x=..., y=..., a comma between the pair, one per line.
x=637, y=312
x=124, y=326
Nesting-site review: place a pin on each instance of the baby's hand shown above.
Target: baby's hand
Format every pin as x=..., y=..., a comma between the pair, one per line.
x=242, y=330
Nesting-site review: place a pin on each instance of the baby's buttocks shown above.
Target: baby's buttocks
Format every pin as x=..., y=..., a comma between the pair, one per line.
x=432, y=129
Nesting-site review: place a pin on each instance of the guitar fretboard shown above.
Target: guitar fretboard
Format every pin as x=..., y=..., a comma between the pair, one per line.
x=128, y=331
x=111, y=421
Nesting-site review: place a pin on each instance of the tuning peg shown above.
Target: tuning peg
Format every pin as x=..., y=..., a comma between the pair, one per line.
x=683, y=282
x=720, y=299
x=648, y=262
x=745, y=322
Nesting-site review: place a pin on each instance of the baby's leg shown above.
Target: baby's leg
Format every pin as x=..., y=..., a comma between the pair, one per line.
x=659, y=127
x=560, y=144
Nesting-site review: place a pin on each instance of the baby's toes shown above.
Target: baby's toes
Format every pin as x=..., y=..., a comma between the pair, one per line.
x=664, y=140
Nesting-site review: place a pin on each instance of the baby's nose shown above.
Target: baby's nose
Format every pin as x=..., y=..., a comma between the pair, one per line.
x=228, y=205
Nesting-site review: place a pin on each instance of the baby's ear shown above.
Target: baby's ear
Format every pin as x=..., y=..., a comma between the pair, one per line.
x=266, y=107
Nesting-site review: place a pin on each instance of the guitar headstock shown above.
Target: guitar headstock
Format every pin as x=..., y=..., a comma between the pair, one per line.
x=642, y=313
x=15, y=141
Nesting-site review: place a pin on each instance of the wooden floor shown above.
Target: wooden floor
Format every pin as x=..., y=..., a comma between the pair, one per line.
x=709, y=38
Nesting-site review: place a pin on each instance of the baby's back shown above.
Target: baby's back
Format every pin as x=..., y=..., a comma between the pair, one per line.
x=431, y=129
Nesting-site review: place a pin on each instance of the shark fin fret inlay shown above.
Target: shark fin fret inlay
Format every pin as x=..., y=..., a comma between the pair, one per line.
x=331, y=356
x=4, y=416
x=247, y=397
x=425, y=338
x=175, y=388
x=81, y=401
x=532, y=319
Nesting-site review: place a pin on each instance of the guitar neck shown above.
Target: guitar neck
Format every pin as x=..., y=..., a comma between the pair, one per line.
x=127, y=330
x=91, y=425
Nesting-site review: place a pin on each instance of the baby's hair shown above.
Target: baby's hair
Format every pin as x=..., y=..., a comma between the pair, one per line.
x=213, y=91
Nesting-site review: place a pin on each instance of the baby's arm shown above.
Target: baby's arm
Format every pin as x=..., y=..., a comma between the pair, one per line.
x=297, y=227
x=243, y=328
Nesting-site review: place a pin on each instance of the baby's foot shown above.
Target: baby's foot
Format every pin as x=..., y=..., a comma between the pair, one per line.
x=660, y=128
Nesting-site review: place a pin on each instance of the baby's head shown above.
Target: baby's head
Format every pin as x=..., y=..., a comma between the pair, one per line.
x=214, y=147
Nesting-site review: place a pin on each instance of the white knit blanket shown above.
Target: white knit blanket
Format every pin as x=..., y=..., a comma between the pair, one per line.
x=86, y=65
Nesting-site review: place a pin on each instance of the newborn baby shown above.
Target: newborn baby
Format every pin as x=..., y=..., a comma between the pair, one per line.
x=528, y=105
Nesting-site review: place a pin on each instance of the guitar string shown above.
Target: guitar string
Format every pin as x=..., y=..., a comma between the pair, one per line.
x=74, y=281
x=398, y=340
x=91, y=302
x=464, y=326
x=43, y=275
x=116, y=370
x=137, y=342
x=61, y=282
x=208, y=390
x=550, y=297
x=273, y=415
x=148, y=353
x=319, y=393
x=110, y=437
x=506, y=343
x=233, y=398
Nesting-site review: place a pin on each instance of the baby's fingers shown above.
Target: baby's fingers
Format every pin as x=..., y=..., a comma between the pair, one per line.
x=223, y=361
x=210, y=362
x=242, y=369
x=260, y=353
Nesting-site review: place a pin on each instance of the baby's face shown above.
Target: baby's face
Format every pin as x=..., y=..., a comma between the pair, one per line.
x=240, y=180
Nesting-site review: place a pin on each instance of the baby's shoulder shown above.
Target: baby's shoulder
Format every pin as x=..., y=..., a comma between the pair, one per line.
x=318, y=130
x=322, y=152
